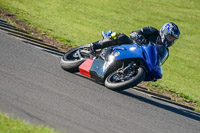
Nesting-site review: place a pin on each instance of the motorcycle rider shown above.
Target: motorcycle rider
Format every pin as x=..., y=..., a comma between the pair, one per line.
x=162, y=39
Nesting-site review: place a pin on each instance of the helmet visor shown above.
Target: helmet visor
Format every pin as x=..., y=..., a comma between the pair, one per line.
x=169, y=40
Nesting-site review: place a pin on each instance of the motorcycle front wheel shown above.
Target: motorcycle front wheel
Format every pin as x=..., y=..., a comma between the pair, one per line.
x=71, y=60
x=115, y=82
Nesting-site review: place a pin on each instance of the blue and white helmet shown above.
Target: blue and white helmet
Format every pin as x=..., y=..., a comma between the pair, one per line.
x=169, y=29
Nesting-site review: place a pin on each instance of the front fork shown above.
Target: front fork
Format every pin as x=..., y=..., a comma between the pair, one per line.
x=128, y=71
x=130, y=67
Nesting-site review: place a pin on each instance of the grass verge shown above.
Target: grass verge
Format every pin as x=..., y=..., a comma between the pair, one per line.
x=10, y=125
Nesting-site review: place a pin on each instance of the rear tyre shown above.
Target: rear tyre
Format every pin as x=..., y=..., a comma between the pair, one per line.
x=71, y=60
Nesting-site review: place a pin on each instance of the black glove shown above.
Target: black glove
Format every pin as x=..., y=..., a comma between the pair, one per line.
x=140, y=39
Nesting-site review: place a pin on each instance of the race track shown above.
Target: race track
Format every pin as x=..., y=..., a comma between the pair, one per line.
x=33, y=87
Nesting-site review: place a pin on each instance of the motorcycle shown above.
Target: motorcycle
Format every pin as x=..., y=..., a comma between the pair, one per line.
x=117, y=67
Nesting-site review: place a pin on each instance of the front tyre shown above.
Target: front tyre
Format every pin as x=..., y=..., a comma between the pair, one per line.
x=115, y=82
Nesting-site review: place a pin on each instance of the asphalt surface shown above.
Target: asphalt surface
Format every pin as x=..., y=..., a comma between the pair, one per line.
x=33, y=87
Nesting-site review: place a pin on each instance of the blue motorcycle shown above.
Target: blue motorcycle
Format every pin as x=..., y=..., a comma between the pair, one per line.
x=117, y=67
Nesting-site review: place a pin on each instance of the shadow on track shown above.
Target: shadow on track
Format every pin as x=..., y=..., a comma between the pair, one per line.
x=186, y=113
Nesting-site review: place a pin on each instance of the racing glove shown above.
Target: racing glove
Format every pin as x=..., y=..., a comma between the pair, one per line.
x=140, y=39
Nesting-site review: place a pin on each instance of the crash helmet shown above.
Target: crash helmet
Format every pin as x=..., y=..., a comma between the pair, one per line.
x=169, y=32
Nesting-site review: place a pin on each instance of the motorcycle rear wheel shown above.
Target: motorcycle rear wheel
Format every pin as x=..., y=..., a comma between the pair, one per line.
x=70, y=61
x=110, y=83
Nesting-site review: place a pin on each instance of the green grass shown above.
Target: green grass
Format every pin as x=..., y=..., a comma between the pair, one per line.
x=10, y=125
x=77, y=22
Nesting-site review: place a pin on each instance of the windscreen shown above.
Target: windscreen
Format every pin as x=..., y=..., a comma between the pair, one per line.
x=163, y=53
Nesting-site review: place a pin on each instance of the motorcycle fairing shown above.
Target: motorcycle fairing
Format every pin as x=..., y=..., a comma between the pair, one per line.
x=102, y=67
x=97, y=68
x=84, y=68
x=146, y=53
x=152, y=61
x=127, y=52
